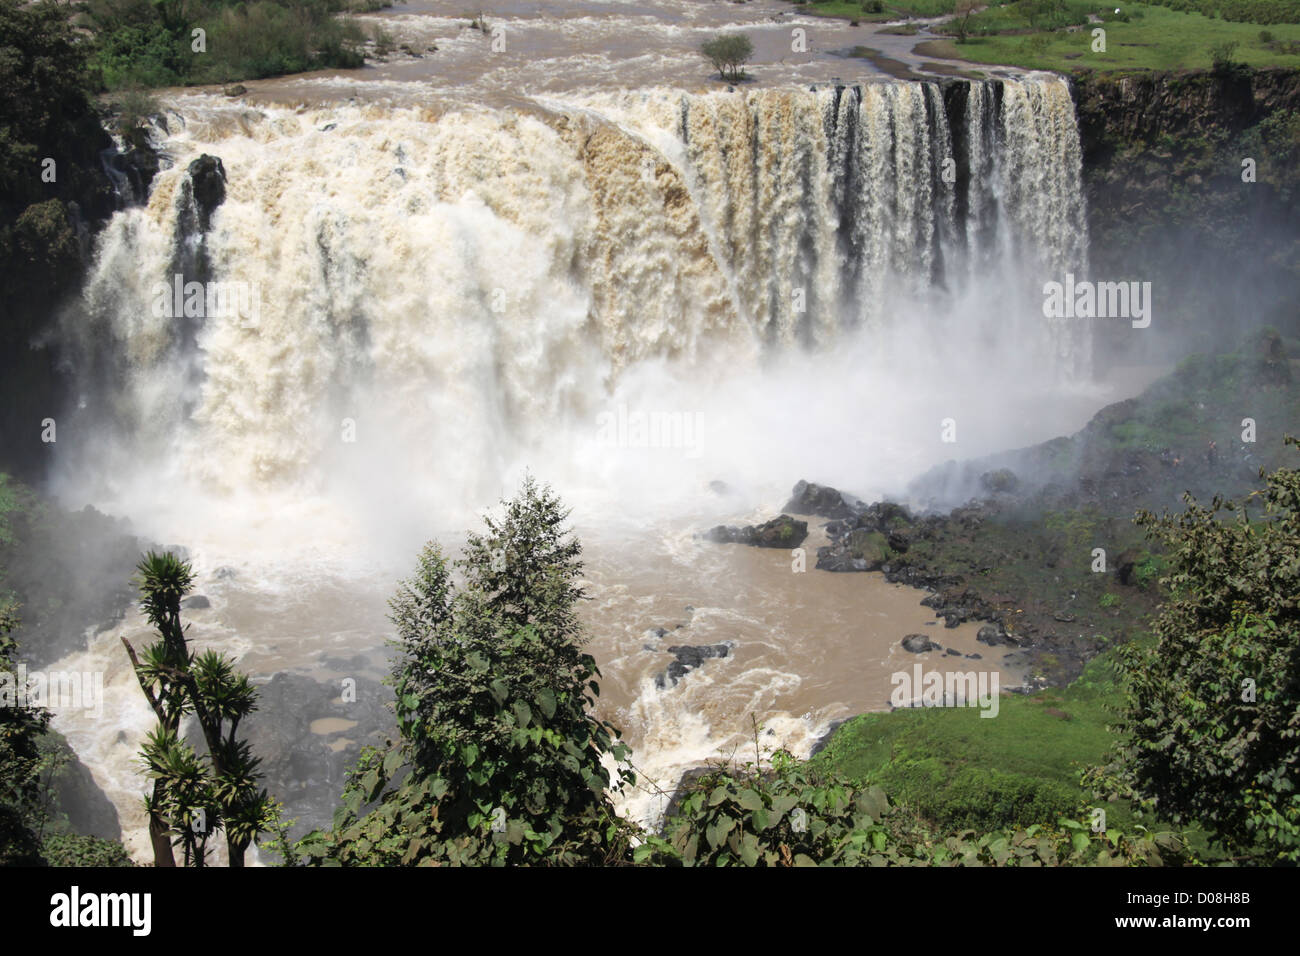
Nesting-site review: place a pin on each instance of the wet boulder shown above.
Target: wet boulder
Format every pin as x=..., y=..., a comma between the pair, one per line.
x=821, y=500
x=780, y=532
x=207, y=187
x=686, y=658
x=919, y=644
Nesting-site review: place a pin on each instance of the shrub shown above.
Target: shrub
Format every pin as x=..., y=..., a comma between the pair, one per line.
x=1211, y=725
x=1222, y=55
x=500, y=760
x=728, y=53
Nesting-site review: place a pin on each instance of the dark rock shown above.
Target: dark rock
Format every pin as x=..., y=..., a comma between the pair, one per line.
x=687, y=658
x=75, y=575
x=824, y=740
x=78, y=797
x=301, y=767
x=196, y=602
x=1125, y=565
x=992, y=635
x=953, y=652
x=139, y=164
x=1003, y=481
x=820, y=500
x=236, y=89
x=919, y=644
x=781, y=532
x=206, y=186
x=838, y=559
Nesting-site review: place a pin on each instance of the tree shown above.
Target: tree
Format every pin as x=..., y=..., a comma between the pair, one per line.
x=1223, y=56
x=194, y=796
x=21, y=760
x=1212, y=725
x=499, y=759
x=962, y=14
x=729, y=52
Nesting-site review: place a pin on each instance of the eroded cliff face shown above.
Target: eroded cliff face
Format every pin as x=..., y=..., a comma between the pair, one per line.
x=1193, y=182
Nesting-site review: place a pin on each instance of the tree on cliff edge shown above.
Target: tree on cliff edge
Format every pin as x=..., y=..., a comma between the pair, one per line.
x=1212, y=726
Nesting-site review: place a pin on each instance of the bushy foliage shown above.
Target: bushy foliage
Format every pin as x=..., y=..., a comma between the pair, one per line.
x=729, y=52
x=979, y=798
x=21, y=759
x=1212, y=727
x=786, y=817
x=45, y=114
x=499, y=759
x=1240, y=11
x=149, y=43
x=75, y=849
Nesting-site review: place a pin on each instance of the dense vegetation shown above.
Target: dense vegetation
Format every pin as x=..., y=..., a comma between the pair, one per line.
x=1212, y=721
x=147, y=43
x=1243, y=11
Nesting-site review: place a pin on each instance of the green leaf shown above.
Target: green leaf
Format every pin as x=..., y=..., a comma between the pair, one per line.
x=392, y=762
x=523, y=713
x=546, y=703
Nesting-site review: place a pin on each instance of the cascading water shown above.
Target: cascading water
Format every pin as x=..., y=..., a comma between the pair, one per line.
x=441, y=300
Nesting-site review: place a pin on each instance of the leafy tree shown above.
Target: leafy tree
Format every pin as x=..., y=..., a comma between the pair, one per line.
x=1223, y=56
x=1212, y=725
x=961, y=17
x=194, y=796
x=729, y=52
x=21, y=760
x=499, y=760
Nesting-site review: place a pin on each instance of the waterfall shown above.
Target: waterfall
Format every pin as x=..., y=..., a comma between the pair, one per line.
x=472, y=278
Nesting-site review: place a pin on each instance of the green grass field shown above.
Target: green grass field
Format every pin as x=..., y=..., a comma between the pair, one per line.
x=1142, y=37
x=1160, y=39
x=1049, y=736
x=958, y=770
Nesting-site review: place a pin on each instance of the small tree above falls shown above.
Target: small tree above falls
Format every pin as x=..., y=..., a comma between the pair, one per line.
x=499, y=759
x=1213, y=720
x=729, y=52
